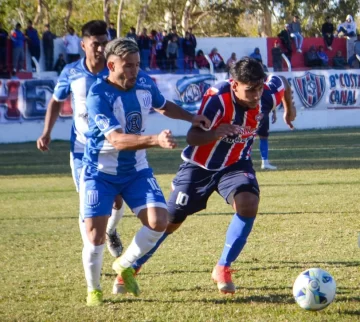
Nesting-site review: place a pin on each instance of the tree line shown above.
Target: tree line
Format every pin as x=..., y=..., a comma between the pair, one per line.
x=209, y=18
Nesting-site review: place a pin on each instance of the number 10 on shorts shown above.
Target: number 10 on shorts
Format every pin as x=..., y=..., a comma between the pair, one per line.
x=182, y=199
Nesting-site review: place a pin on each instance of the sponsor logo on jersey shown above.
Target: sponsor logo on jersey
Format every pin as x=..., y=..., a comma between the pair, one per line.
x=102, y=122
x=133, y=123
x=310, y=88
x=259, y=117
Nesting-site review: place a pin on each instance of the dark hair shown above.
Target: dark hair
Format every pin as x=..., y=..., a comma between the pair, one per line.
x=94, y=28
x=18, y=25
x=248, y=71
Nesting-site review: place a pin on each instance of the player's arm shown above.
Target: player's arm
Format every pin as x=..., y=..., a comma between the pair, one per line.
x=197, y=136
x=122, y=141
x=52, y=113
x=289, y=108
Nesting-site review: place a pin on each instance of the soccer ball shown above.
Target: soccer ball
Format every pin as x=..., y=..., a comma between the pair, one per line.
x=314, y=289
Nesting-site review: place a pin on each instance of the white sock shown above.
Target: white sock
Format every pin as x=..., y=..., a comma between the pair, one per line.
x=144, y=240
x=114, y=219
x=92, y=257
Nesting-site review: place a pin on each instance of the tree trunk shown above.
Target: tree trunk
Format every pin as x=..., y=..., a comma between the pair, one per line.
x=119, y=18
x=69, y=7
x=142, y=15
x=38, y=12
x=189, y=5
x=264, y=22
x=106, y=11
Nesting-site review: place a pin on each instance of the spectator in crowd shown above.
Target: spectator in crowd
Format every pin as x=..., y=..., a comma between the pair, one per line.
x=311, y=58
x=188, y=46
x=354, y=59
x=144, y=43
x=327, y=31
x=173, y=32
x=60, y=64
x=172, y=53
x=132, y=34
x=339, y=61
x=160, y=54
x=18, y=55
x=201, y=61
x=3, y=47
x=111, y=31
x=231, y=61
x=192, y=36
x=323, y=56
x=295, y=28
x=217, y=60
x=285, y=38
x=48, y=47
x=153, y=64
x=256, y=55
x=33, y=41
x=276, y=53
x=72, y=45
x=348, y=28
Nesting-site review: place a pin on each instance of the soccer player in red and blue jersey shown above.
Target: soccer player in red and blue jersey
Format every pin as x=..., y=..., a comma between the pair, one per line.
x=276, y=91
x=218, y=159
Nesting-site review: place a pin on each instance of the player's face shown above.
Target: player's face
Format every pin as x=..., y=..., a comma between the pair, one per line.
x=248, y=94
x=124, y=70
x=93, y=47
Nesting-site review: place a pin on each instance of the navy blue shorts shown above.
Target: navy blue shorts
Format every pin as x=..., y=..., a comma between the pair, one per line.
x=193, y=186
x=264, y=126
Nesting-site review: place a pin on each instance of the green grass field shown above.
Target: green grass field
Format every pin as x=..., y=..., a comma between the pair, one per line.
x=308, y=217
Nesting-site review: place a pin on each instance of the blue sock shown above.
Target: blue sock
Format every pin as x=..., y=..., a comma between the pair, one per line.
x=141, y=261
x=264, y=148
x=236, y=236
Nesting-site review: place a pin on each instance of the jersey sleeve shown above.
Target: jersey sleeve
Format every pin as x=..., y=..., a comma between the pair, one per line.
x=277, y=89
x=101, y=114
x=212, y=108
x=158, y=100
x=62, y=89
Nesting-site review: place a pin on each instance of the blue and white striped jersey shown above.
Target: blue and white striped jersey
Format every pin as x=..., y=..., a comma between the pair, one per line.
x=76, y=79
x=110, y=109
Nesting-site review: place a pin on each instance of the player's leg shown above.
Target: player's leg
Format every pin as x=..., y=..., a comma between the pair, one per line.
x=263, y=133
x=113, y=240
x=145, y=198
x=241, y=190
x=184, y=200
x=96, y=198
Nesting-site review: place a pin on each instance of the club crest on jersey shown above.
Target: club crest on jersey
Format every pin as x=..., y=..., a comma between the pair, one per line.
x=133, y=123
x=92, y=198
x=310, y=88
x=102, y=122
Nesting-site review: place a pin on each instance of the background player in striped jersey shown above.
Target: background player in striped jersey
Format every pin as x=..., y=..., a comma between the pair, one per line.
x=218, y=159
x=115, y=159
x=276, y=91
x=75, y=80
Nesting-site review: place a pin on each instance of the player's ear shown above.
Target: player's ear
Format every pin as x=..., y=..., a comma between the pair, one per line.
x=234, y=85
x=110, y=65
x=82, y=44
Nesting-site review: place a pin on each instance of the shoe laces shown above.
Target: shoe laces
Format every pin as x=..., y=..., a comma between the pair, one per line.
x=224, y=273
x=114, y=239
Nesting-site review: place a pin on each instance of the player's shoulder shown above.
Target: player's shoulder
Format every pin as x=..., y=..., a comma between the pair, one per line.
x=98, y=87
x=73, y=70
x=143, y=80
x=274, y=81
x=219, y=89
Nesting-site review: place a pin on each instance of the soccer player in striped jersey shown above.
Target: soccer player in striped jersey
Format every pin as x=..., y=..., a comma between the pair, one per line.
x=115, y=159
x=75, y=80
x=219, y=159
x=276, y=91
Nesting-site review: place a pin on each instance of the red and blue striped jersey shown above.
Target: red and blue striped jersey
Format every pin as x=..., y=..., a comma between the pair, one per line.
x=219, y=106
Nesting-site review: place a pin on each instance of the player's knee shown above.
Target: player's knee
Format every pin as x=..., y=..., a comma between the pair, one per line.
x=246, y=204
x=158, y=220
x=94, y=238
x=118, y=202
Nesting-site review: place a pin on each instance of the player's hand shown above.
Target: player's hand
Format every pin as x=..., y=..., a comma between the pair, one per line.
x=273, y=117
x=225, y=130
x=166, y=140
x=289, y=117
x=201, y=121
x=43, y=142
